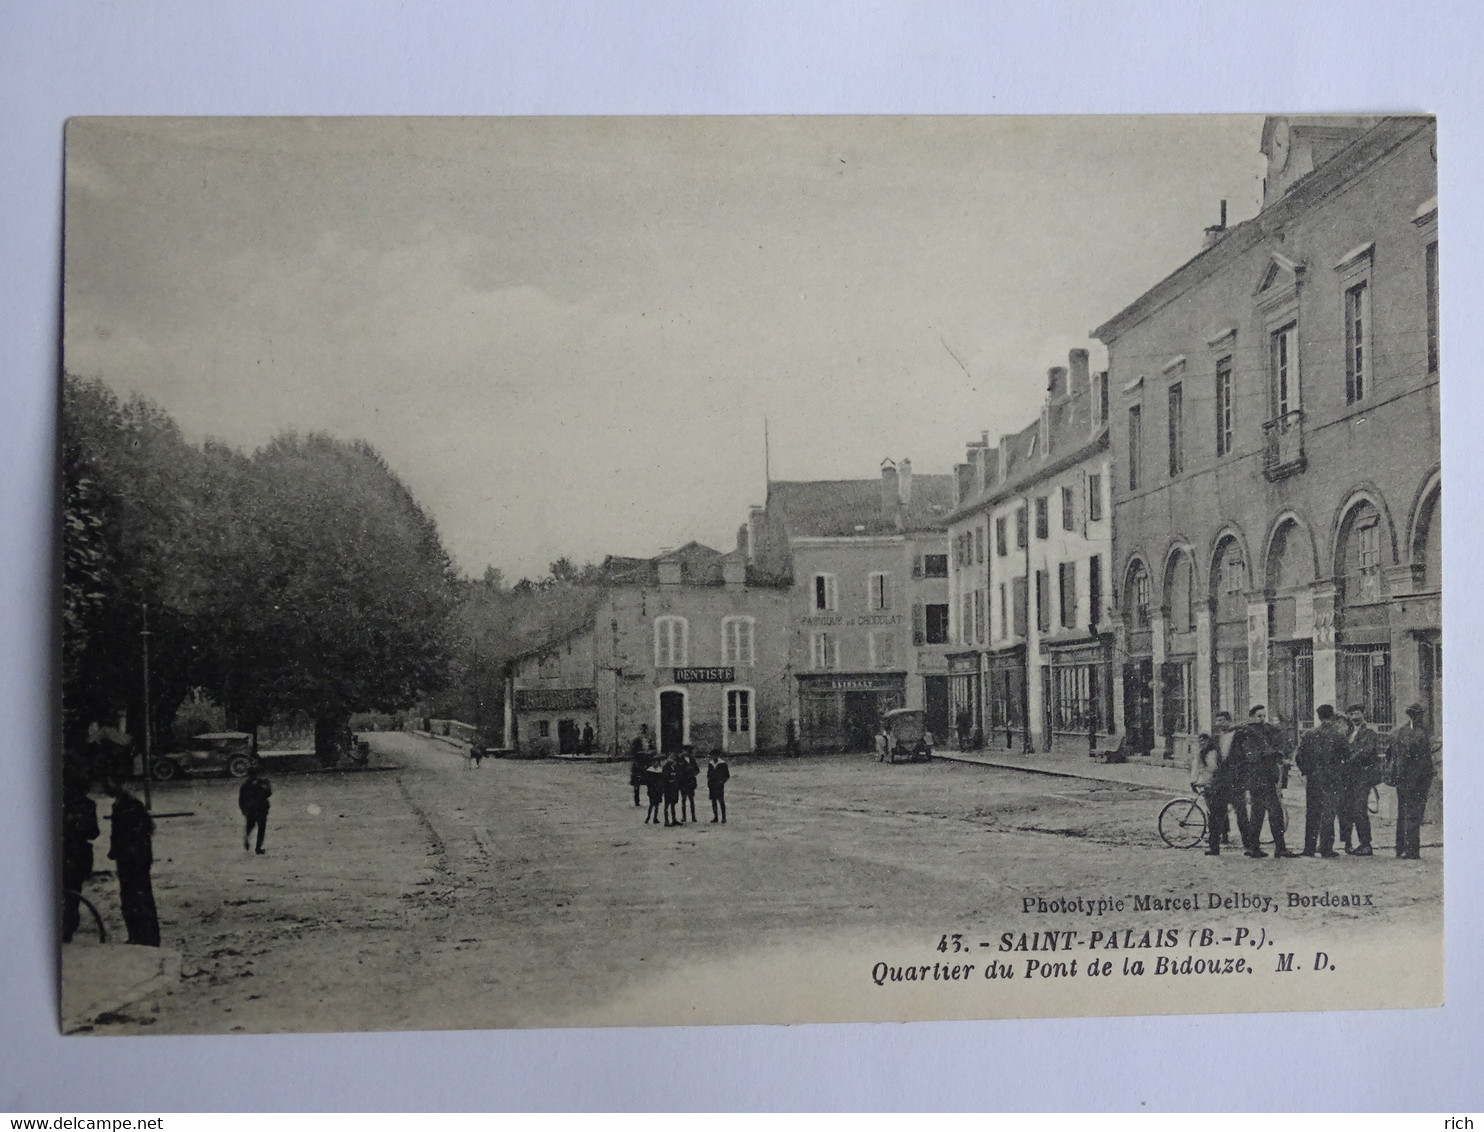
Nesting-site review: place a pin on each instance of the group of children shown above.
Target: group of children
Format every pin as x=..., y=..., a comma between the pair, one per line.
x=671, y=782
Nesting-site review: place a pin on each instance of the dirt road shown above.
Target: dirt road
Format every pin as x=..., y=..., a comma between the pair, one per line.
x=433, y=894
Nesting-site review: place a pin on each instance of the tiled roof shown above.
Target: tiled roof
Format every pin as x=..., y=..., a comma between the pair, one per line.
x=840, y=508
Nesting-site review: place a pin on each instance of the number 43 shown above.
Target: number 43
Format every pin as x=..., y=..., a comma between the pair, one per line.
x=954, y=942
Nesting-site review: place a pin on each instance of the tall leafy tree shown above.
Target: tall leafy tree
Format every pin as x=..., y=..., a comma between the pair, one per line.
x=331, y=591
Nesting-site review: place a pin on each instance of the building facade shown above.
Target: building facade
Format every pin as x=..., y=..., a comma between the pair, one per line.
x=869, y=599
x=1275, y=430
x=1030, y=548
x=691, y=643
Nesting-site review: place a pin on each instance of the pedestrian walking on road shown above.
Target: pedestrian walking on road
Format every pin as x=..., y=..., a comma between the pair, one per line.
x=79, y=828
x=689, y=774
x=791, y=739
x=670, y=776
x=131, y=847
x=654, y=784
x=1363, y=771
x=717, y=775
x=883, y=744
x=1411, y=772
x=638, y=765
x=585, y=745
x=1321, y=759
x=252, y=800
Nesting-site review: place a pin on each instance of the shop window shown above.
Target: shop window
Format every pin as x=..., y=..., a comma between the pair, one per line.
x=739, y=711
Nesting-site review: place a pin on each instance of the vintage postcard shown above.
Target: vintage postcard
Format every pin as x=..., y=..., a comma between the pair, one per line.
x=534, y=572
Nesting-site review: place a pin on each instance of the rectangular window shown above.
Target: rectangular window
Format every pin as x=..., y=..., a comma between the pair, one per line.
x=1095, y=590
x=999, y=537
x=1180, y=689
x=1141, y=599
x=739, y=711
x=878, y=592
x=979, y=616
x=979, y=541
x=1223, y=406
x=736, y=641
x=1284, y=367
x=883, y=650
x=1135, y=445
x=825, y=651
x=1004, y=617
x=1432, y=308
x=965, y=622
x=1068, y=511
x=1018, y=598
x=543, y=728
x=1357, y=321
x=670, y=642
x=1020, y=531
x=1043, y=523
x=1370, y=546
x=1177, y=429
x=1100, y=397
x=937, y=624
x=824, y=592
x=1094, y=498
x=1067, y=584
x=935, y=565
x=1043, y=601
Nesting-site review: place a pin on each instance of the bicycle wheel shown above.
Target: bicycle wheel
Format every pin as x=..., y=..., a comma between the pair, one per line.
x=1182, y=823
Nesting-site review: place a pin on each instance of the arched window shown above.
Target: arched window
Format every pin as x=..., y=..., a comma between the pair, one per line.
x=1361, y=554
x=1136, y=597
x=736, y=641
x=671, y=641
x=1179, y=592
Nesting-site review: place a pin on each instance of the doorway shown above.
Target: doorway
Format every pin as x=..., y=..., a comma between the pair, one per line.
x=861, y=720
x=935, y=708
x=672, y=722
x=1138, y=704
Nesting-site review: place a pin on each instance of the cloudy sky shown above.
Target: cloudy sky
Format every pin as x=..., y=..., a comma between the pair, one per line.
x=565, y=334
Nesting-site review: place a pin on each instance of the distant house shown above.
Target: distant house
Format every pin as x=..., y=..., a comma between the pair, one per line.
x=868, y=607
x=690, y=643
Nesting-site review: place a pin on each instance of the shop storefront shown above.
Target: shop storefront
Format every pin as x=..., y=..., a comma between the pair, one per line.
x=841, y=711
x=966, y=700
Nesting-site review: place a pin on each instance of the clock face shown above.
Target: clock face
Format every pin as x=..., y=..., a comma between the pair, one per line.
x=1278, y=154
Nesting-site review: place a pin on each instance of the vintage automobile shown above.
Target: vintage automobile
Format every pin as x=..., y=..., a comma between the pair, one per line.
x=227, y=751
x=906, y=731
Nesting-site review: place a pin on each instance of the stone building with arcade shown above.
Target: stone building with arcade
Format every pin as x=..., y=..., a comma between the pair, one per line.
x=1275, y=440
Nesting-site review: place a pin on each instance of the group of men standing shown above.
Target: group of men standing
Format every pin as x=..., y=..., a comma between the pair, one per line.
x=130, y=847
x=671, y=781
x=1242, y=771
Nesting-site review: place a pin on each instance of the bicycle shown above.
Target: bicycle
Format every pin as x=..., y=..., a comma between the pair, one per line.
x=1182, y=822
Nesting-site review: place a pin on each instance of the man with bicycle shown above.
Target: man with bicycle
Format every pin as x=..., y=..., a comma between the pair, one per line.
x=1220, y=776
x=1361, y=771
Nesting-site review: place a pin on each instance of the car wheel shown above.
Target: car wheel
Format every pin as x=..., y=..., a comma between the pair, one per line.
x=163, y=770
x=238, y=766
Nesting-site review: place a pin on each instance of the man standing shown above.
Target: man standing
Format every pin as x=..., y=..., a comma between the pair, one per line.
x=79, y=827
x=586, y=745
x=1218, y=773
x=883, y=743
x=1262, y=760
x=717, y=774
x=1321, y=754
x=1411, y=773
x=689, y=772
x=252, y=800
x=131, y=847
x=1362, y=772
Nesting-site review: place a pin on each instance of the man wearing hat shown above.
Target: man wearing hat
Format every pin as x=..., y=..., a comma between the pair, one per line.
x=1411, y=772
x=1362, y=771
x=1321, y=755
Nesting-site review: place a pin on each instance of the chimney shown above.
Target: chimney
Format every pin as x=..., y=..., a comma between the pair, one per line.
x=734, y=571
x=1056, y=382
x=1216, y=231
x=889, y=496
x=904, y=482
x=991, y=466
x=1077, y=362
